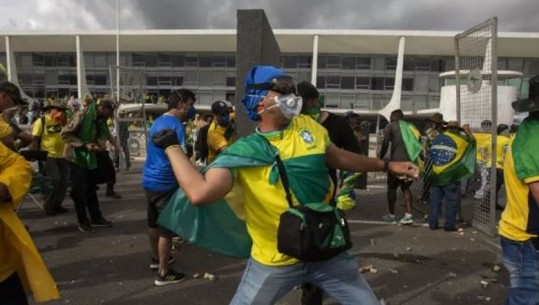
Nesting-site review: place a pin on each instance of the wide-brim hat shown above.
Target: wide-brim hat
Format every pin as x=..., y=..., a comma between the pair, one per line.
x=58, y=104
x=531, y=103
x=453, y=124
x=437, y=118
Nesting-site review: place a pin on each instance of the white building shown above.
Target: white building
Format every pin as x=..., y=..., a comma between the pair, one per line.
x=354, y=69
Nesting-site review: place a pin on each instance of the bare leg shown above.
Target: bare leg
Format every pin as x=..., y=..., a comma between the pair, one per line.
x=153, y=236
x=164, y=247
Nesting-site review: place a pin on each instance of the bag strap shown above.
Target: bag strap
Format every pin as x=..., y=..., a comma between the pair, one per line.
x=282, y=173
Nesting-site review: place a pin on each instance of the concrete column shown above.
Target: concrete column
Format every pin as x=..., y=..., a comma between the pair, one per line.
x=315, y=60
x=255, y=45
x=395, y=102
x=9, y=56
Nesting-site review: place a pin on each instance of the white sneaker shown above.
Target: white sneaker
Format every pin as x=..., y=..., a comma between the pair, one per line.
x=408, y=219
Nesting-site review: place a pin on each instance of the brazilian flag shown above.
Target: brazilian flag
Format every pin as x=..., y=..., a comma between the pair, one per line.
x=220, y=226
x=410, y=137
x=453, y=157
x=525, y=148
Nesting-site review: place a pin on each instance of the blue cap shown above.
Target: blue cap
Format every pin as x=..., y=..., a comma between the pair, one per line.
x=255, y=84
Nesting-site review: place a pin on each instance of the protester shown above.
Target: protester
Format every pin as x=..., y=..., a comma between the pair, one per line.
x=502, y=144
x=85, y=135
x=20, y=263
x=10, y=101
x=159, y=183
x=46, y=137
x=301, y=142
x=404, y=147
x=222, y=130
x=435, y=124
x=519, y=223
x=453, y=159
x=484, y=155
x=342, y=136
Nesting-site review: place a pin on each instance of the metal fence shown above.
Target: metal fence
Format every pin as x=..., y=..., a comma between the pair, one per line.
x=476, y=85
x=476, y=71
x=133, y=116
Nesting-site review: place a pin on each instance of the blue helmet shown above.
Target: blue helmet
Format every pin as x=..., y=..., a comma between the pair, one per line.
x=257, y=83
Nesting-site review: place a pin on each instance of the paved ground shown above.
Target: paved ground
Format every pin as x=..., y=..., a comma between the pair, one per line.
x=415, y=265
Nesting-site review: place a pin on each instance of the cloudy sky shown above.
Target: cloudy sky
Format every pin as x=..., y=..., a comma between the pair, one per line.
x=454, y=15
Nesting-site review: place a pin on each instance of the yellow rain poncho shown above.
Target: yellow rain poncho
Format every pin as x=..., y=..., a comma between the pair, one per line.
x=17, y=250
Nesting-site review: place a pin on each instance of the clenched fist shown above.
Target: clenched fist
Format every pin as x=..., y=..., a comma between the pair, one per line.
x=165, y=139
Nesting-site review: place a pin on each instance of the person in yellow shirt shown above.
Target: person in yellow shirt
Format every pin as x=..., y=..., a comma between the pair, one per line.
x=221, y=132
x=519, y=223
x=46, y=137
x=21, y=265
x=502, y=142
x=304, y=146
x=484, y=142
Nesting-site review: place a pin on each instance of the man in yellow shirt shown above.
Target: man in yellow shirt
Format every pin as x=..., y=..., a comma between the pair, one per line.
x=304, y=146
x=46, y=137
x=519, y=223
x=484, y=142
x=221, y=132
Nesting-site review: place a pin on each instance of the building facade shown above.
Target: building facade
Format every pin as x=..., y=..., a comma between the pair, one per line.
x=354, y=70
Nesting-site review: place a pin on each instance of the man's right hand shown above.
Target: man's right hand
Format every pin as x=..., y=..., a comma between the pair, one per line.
x=404, y=170
x=165, y=139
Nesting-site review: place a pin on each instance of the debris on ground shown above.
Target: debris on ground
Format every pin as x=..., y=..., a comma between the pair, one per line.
x=496, y=268
x=365, y=268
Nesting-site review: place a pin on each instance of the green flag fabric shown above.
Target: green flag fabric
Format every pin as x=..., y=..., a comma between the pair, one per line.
x=411, y=139
x=220, y=226
x=90, y=129
x=526, y=147
x=453, y=158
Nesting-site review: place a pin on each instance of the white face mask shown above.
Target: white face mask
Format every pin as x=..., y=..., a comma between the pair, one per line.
x=289, y=104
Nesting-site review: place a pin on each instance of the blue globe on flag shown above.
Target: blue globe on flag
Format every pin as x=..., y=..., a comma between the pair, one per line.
x=443, y=150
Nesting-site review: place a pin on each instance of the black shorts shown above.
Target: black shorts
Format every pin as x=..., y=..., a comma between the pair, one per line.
x=394, y=182
x=156, y=203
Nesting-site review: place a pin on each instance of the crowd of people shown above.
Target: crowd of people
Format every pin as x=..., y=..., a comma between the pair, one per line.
x=310, y=141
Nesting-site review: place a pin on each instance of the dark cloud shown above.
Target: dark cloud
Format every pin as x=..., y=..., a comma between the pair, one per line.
x=456, y=15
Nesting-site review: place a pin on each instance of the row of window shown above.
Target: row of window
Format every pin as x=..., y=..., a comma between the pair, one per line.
x=529, y=66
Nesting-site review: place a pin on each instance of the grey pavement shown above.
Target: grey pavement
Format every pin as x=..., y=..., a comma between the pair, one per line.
x=411, y=264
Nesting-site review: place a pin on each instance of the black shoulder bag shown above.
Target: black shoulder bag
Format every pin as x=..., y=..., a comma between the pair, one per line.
x=310, y=231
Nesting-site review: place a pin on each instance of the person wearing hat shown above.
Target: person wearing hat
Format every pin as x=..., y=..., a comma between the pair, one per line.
x=85, y=135
x=46, y=137
x=519, y=223
x=435, y=124
x=10, y=102
x=270, y=99
x=159, y=183
x=452, y=154
x=221, y=132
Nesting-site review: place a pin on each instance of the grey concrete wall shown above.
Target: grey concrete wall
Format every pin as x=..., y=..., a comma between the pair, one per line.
x=256, y=45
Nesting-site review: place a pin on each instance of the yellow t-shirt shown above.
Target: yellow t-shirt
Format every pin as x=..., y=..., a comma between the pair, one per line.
x=502, y=143
x=51, y=141
x=484, y=143
x=264, y=203
x=216, y=140
x=515, y=217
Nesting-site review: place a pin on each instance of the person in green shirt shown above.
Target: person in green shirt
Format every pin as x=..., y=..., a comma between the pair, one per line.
x=85, y=135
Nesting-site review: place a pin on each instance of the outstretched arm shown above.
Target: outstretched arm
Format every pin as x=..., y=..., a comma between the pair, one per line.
x=200, y=189
x=342, y=159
